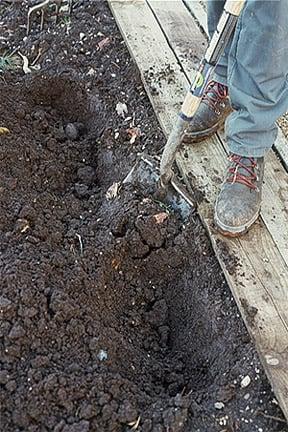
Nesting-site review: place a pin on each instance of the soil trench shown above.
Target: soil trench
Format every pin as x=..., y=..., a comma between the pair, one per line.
x=114, y=313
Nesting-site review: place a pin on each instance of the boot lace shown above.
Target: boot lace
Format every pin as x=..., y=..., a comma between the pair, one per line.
x=214, y=93
x=234, y=176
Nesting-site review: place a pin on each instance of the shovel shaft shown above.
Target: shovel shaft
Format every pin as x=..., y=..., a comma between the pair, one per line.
x=170, y=150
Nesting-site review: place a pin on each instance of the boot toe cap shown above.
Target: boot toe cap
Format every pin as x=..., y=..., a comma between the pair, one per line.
x=235, y=215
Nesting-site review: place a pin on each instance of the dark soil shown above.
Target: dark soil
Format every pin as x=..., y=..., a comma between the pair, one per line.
x=113, y=318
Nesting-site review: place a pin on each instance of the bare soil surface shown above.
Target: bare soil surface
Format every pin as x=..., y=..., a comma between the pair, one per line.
x=115, y=315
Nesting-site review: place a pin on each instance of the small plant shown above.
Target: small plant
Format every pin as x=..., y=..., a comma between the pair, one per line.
x=66, y=22
x=9, y=62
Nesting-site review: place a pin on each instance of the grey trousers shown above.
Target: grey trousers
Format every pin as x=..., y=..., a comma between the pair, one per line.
x=255, y=68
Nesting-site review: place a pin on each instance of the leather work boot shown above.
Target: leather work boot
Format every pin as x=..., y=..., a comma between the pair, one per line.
x=211, y=114
x=239, y=201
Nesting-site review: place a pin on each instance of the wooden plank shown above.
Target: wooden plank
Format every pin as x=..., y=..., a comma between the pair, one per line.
x=178, y=26
x=154, y=73
x=259, y=278
x=259, y=282
x=198, y=10
x=281, y=147
x=199, y=13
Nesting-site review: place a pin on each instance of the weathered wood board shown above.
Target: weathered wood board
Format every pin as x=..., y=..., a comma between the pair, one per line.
x=259, y=282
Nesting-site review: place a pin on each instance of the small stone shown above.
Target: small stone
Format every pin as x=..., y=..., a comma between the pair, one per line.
x=91, y=72
x=245, y=381
x=219, y=405
x=5, y=304
x=93, y=344
x=121, y=109
x=16, y=332
x=102, y=355
x=59, y=134
x=40, y=361
x=82, y=426
x=147, y=425
x=11, y=386
x=59, y=426
x=272, y=361
x=71, y=131
x=104, y=398
x=25, y=311
x=246, y=396
x=86, y=412
x=86, y=174
x=39, y=115
x=4, y=376
x=81, y=190
x=127, y=413
x=27, y=212
x=20, y=113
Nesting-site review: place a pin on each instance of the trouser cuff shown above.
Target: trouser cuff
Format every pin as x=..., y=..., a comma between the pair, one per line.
x=220, y=79
x=220, y=73
x=247, y=150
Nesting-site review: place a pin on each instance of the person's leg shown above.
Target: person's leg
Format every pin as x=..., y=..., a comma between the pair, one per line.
x=258, y=89
x=258, y=77
x=215, y=105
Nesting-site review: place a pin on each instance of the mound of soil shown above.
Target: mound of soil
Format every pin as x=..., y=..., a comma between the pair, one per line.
x=115, y=315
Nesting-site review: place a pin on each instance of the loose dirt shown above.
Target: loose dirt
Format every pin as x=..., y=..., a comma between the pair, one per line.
x=115, y=315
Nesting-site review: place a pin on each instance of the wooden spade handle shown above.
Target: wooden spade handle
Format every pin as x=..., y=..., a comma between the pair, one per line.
x=234, y=7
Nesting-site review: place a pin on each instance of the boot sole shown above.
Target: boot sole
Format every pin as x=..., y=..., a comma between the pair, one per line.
x=230, y=231
x=190, y=138
x=194, y=137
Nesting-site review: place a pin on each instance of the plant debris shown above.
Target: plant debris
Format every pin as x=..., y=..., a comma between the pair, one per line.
x=4, y=130
x=104, y=43
x=25, y=67
x=134, y=133
x=160, y=217
x=113, y=191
